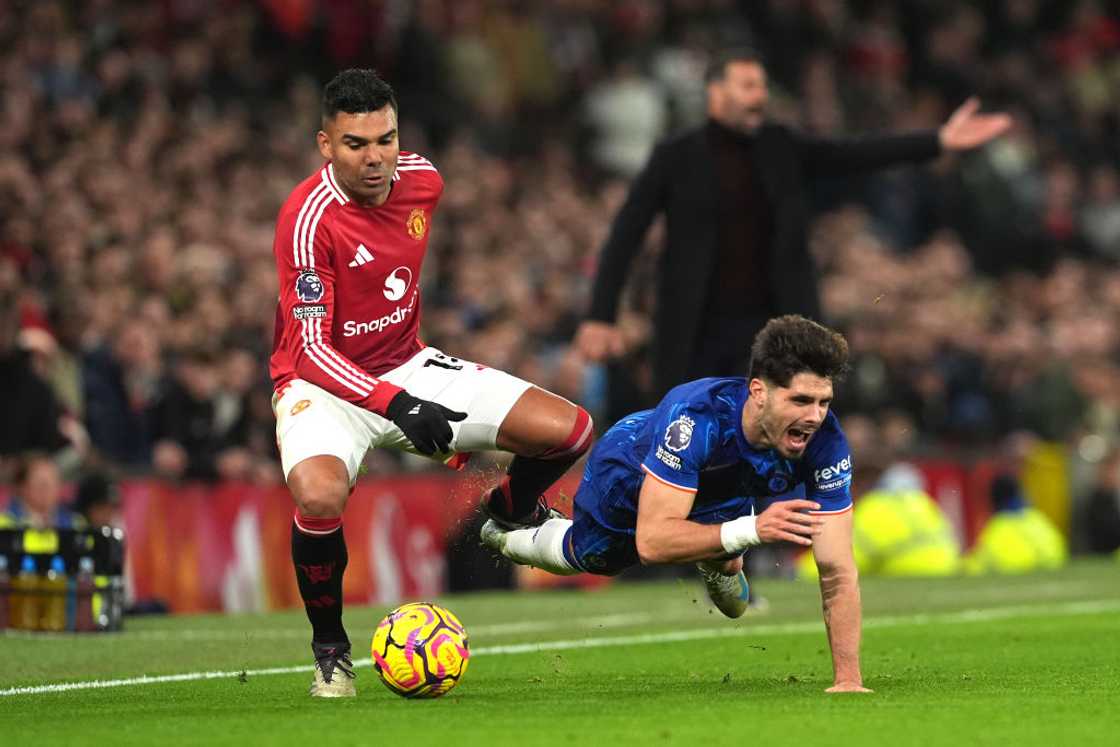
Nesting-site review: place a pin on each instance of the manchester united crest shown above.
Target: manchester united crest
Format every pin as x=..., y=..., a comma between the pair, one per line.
x=417, y=224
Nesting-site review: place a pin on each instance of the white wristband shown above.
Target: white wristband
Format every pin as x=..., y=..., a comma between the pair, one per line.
x=739, y=534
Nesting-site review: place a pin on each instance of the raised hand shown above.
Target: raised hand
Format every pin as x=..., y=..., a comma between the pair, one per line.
x=966, y=128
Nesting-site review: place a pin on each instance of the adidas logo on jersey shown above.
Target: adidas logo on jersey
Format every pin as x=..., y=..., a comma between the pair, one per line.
x=361, y=256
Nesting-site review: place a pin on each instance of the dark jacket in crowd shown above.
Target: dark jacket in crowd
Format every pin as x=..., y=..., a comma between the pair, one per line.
x=118, y=428
x=192, y=423
x=31, y=410
x=682, y=179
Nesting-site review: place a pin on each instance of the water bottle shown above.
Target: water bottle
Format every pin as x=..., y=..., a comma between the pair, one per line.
x=5, y=591
x=25, y=596
x=116, y=604
x=53, y=595
x=101, y=606
x=84, y=620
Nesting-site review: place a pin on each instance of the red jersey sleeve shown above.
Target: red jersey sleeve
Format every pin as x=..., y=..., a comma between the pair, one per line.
x=305, y=317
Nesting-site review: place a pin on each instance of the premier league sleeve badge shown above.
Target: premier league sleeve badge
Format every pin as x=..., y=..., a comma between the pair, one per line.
x=309, y=288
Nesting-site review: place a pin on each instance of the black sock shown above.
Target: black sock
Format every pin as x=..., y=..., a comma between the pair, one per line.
x=526, y=480
x=515, y=497
x=320, y=560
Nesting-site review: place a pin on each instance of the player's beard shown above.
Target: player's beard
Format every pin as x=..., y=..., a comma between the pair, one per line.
x=777, y=432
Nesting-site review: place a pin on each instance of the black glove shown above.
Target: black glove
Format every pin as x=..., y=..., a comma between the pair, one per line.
x=426, y=424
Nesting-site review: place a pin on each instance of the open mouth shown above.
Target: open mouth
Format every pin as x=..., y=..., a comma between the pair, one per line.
x=798, y=438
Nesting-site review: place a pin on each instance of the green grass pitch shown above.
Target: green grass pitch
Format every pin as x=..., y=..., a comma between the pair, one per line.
x=1031, y=660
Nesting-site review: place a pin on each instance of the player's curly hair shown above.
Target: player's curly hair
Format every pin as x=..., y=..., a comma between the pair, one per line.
x=791, y=344
x=357, y=90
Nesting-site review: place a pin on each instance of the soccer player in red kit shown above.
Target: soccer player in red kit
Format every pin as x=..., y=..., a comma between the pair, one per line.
x=350, y=371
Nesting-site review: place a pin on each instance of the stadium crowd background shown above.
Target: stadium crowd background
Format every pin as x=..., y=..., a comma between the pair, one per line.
x=145, y=149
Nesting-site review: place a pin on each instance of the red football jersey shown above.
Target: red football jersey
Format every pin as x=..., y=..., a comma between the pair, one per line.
x=349, y=296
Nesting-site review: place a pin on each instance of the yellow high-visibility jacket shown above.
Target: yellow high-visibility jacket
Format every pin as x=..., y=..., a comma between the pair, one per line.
x=1017, y=541
x=899, y=533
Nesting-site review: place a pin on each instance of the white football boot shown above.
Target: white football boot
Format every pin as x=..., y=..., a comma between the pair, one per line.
x=334, y=672
x=730, y=594
x=493, y=535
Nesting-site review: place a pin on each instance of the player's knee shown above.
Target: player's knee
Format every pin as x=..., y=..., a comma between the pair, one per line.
x=319, y=489
x=576, y=442
x=584, y=431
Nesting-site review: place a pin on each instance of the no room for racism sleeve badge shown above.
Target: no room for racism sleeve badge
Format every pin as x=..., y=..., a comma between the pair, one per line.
x=417, y=224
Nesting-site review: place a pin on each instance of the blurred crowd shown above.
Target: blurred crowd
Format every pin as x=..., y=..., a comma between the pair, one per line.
x=145, y=149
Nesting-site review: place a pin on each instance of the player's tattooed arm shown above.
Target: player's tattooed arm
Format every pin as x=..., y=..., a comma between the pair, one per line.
x=840, y=599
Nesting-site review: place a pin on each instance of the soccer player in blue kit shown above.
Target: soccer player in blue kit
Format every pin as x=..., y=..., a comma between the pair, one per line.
x=680, y=484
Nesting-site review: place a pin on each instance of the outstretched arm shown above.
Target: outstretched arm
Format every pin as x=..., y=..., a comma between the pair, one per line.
x=966, y=128
x=665, y=535
x=832, y=549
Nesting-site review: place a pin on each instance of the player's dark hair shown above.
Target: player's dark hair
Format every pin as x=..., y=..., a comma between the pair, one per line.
x=355, y=91
x=717, y=64
x=791, y=344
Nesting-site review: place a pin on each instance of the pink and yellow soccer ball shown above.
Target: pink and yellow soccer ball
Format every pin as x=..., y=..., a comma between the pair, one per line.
x=420, y=650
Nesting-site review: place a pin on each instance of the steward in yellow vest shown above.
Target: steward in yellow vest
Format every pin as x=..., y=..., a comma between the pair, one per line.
x=899, y=530
x=1018, y=538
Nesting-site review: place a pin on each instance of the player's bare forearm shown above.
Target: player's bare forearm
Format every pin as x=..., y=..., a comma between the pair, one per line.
x=677, y=541
x=832, y=549
x=840, y=600
x=664, y=534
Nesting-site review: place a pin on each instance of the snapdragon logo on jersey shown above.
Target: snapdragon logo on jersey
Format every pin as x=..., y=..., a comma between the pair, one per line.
x=834, y=476
x=397, y=283
x=677, y=438
x=351, y=329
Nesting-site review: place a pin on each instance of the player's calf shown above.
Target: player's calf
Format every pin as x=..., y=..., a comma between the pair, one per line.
x=516, y=501
x=319, y=486
x=539, y=547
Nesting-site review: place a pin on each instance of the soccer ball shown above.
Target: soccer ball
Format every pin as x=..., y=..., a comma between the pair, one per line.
x=420, y=650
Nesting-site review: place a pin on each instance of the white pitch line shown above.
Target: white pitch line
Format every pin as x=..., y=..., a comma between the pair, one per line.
x=794, y=628
x=616, y=620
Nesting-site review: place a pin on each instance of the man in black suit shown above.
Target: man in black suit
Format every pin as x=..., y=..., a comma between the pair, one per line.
x=734, y=193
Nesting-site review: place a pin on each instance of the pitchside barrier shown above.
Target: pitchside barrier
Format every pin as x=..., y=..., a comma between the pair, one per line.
x=225, y=547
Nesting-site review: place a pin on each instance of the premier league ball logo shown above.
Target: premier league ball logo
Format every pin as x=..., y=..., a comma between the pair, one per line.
x=679, y=433
x=309, y=288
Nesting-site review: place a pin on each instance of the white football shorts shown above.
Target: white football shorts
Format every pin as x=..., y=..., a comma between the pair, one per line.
x=311, y=421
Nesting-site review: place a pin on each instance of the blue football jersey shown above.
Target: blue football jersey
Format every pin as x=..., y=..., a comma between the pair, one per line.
x=693, y=440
